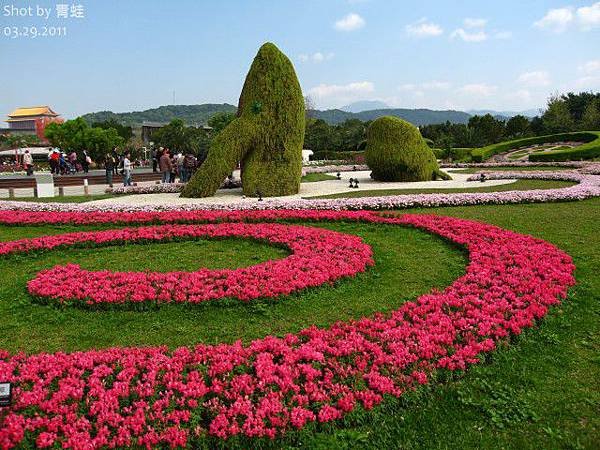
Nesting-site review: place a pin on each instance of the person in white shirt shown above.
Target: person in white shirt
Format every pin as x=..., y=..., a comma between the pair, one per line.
x=127, y=170
x=28, y=162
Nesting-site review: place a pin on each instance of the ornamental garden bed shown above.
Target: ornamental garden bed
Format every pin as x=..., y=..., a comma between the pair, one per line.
x=274, y=385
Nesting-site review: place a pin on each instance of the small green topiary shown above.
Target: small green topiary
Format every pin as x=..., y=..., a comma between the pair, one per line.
x=267, y=136
x=397, y=152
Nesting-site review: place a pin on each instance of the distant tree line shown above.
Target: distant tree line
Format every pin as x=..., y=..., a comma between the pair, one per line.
x=568, y=112
x=564, y=113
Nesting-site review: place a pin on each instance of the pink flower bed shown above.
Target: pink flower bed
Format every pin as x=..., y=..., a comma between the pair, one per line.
x=318, y=257
x=151, y=397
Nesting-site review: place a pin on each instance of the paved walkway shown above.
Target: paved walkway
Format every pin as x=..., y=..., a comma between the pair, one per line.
x=229, y=196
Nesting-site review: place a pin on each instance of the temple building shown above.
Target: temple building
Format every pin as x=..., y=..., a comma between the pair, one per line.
x=32, y=120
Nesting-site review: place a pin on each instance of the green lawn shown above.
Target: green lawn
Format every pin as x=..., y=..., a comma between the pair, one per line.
x=510, y=169
x=312, y=177
x=521, y=185
x=541, y=392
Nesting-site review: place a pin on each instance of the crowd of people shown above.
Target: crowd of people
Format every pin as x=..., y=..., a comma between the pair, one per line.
x=174, y=165
x=62, y=163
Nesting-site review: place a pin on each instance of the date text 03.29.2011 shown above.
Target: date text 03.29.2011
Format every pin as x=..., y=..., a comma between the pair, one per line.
x=33, y=32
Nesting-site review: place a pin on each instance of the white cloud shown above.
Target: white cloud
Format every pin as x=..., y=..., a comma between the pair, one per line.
x=520, y=96
x=425, y=86
x=338, y=94
x=349, y=22
x=478, y=89
x=467, y=36
x=316, y=57
x=589, y=16
x=536, y=78
x=559, y=20
x=470, y=22
x=590, y=78
x=590, y=67
x=423, y=28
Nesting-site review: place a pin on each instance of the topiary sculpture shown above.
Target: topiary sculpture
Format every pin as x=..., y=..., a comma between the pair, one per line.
x=267, y=135
x=396, y=151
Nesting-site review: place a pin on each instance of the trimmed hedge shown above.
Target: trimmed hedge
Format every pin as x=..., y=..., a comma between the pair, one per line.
x=267, y=135
x=397, y=152
x=590, y=148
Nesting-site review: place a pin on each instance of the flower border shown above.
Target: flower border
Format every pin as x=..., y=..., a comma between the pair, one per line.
x=153, y=396
x=318, y=257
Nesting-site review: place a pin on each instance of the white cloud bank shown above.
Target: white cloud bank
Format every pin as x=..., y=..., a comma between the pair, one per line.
x=422, y=29
x=537, y=78
x=316, y=57
x=349, y=22
x=340, y=94
x=559, y=20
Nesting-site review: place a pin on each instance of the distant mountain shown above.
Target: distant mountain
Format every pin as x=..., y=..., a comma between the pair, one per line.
x=414, y=116
x=527, y=113
x=190, y=114
x=199, y=114
x=365, y=105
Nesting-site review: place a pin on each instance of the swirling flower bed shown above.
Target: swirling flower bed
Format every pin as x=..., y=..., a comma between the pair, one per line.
x=318, y=256
x=151, y=397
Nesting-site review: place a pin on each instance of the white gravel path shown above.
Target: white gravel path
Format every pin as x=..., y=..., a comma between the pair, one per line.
x=229, y=196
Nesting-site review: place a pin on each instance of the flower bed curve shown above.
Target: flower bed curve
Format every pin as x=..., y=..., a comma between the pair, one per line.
x=156, y=396
x=318, y=256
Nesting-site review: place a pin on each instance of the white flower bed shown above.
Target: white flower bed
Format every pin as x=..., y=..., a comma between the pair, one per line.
x=588, y=186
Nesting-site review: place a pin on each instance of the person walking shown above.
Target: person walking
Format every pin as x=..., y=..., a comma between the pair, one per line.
x=155, y=157
x=165, y=166
x=180, y=167
x=109, y=167
x=85, y=163
x=73, y=160
x=54, y=161
x=127, y=170
x=115, y=156
x=28, y=163
x=189, y=165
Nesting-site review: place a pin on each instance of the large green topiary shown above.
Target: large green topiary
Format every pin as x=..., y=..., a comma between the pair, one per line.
x=266, y=136
x=396, y=151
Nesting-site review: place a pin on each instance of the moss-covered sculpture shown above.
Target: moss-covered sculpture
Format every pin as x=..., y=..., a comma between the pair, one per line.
x=396, y=151
x=267, y=135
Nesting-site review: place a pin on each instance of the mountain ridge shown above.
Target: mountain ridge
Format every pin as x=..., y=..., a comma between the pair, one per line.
x=199, y=114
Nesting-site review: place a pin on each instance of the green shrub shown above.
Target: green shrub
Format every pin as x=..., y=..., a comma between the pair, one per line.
x=590, y=148
x=267, y=135
x=397, y=152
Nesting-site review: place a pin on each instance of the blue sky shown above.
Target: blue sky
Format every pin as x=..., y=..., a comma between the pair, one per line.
x=131, y=55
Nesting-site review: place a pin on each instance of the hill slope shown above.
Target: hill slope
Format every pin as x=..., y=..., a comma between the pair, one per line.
x=199, y=114
x=191, y=114
x=414, y=116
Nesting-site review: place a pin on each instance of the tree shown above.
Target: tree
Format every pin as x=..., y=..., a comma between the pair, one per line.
x=220, y=120
x=486, y=129
x=76, y=135
x=179, y=138
x=126, y=132
x=557, y=118
x=517, y=126
x=591, y=116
